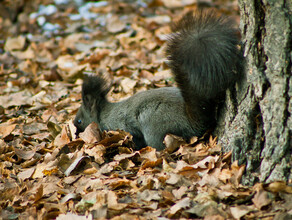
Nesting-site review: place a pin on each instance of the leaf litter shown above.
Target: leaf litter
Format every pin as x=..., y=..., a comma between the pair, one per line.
x=47, y=172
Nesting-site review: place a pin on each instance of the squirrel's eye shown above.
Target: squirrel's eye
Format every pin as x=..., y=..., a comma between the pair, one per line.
x=79, y=121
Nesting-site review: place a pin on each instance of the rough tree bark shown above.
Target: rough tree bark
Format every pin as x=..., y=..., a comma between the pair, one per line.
x=258, y=121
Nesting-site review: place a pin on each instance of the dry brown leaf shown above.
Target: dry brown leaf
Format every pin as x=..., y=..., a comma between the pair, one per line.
x=278, y=186
x=90, y=171
x=261, y=198
x=128, y=85
x=162, y=75
x=66, y=62
x=211, y=179
x=16, y=99
x=202, y=167
x=113, y=203
x=151, y=164
x=75, y=164
x=159, y=19
x=240, y=211
x=62, y=138
x=107, y=168
x=6, y=129
x=206, y=206
x=172, y=142
x=54, y=128
x=177, y=3
x=214, y=217
x=44, y=136
x=115, y=138
x=225, y=175
x=51, y=171
x=14, y=43
x=29, y=53
x=41, y=167
x=121, y=184
x=127, y=164
x=69, y=66
x=96, y=57
x=190, y=172
x=115, y=24
x=120, y=157
x=72, y=130
x=173, y=179
x=5, y=148
x=237, y=172
x=193, y=154
x=97, y=151
x=68, y=197
x=39, y=193
x=47, y=114
x=24, y=154
x=207, y=163
x=179, y=193
x=166, y=167
x=26, y=173
x=149, y=195
x=71, y=216
x=34, y=128
x=168, y=196
x=181, y=204
x=227, y=156
x=91, y=133
x=148, y=153
x=71, y=40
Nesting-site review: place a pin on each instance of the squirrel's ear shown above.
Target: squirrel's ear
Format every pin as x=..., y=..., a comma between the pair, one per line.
x=88, y=100
x=89, y=92
x=94, y=90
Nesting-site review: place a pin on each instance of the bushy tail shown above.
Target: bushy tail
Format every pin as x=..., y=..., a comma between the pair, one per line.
x=204, y=57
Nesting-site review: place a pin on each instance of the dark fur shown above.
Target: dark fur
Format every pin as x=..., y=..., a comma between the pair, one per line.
x=205, y=61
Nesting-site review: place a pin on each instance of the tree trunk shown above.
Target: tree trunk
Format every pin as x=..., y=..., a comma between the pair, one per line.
x=258, y=121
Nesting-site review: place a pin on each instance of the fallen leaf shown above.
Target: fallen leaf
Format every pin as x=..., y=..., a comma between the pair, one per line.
x=62, y=138
x=240, y=211
x=91, y=133
x=113, y=203
x=115, y=24
x=26, y=173
x=148, y=153
x=149, y=195
x=71, y=216
x=16, y=43
x=178, y=193
x=75, y=164
x=172, y=142
x=16, y=99
x=29, y=53
x=177, y=3
x=261, y=198
x=128, y=85
x=24, y=154
x=278, y=186
x=181, y=204
x=6, y=129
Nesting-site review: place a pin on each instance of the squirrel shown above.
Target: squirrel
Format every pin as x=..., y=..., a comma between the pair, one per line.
x=205, y=59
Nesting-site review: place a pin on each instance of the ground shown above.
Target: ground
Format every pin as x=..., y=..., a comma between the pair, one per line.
x=48, y=172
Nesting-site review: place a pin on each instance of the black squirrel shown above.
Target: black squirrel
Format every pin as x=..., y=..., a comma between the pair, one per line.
x=205, y=60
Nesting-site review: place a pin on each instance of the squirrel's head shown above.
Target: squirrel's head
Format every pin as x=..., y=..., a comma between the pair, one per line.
x=94, y=90
x=82, y=119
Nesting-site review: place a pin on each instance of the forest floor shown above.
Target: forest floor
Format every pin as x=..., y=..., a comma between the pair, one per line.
x=46, y=172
